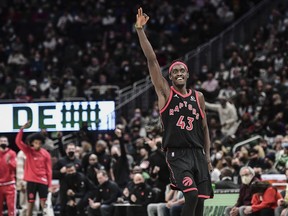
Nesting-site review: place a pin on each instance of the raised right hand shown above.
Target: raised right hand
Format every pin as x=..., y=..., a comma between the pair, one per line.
x=26, y=125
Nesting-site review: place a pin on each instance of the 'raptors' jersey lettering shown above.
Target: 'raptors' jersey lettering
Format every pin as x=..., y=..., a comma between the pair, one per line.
x=184, y=105
x=182, y=121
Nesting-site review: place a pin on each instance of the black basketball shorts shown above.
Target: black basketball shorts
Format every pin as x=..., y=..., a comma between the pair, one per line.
x=189, y=171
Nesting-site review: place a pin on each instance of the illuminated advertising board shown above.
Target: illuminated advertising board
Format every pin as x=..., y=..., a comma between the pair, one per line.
x=58, y=116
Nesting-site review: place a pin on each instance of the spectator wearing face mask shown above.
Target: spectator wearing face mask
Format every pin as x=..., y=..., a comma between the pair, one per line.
x=59, y=170
x=93, y=167
x=141, y=194
x=7, y=176
x=75, y=188
x=247, y=175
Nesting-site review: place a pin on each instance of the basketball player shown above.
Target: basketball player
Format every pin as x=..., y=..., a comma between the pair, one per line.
x=7, y=177
x=38, y=168
x=186, y=137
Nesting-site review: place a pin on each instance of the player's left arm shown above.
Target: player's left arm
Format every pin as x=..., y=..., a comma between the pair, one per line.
x=205, y=130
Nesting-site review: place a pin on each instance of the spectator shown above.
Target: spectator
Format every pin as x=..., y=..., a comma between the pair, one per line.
x=93, y=167
x=141, y=194
x=269, y=161
x=226, y=180
x=282, y=160
x=69, y=90
x=75, y=188
x=54, y=91
x=33, y=91
x=159, y=208
x=256, y=161
x=106, y=194
x=158, y=169
x=103, y=157
x=248, y=177
x=137, y=121
x=210, y=86
x=119, y=163
x=60, y=171
x=264, y=199
x=172, y=206
x=227, y=115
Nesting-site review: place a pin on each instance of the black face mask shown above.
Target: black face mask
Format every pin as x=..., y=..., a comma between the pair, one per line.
x=3, y=146
x=115, y=156
x=71, y=175
x=158, y=144
x=236, y=166
x=140, y=185
x=71, y=154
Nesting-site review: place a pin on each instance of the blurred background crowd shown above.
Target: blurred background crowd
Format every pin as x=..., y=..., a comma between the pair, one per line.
x=61, y=50
x=57, y=50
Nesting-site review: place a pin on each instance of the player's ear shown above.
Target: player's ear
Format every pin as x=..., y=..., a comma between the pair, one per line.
x=187, y=74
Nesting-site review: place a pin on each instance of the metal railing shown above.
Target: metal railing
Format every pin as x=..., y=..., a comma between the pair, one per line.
x=245, y=142
x=210, y=53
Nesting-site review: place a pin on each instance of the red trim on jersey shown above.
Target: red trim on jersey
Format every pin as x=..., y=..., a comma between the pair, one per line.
x=197, y=99
x=189, y=189
x=204, y=196
x=184, y=96
x=166, y=105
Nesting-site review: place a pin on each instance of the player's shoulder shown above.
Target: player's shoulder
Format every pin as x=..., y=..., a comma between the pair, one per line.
x=200, y=94
x=12, y=152
x=45, y=152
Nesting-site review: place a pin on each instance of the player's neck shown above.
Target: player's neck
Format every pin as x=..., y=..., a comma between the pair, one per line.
x=181, y=89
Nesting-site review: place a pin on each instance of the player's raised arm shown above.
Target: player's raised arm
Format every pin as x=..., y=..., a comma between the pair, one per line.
x=160, y=83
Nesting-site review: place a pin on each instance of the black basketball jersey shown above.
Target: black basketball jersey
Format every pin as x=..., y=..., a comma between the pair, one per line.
x=182, y=121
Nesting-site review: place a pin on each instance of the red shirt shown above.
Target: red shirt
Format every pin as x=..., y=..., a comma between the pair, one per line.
x=38, y=167
x=268, y=200
x=7, y=170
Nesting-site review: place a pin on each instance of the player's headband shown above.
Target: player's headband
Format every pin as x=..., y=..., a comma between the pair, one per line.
x=175, y=63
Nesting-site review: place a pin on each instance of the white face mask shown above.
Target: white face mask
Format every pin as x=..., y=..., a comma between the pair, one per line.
x=246, y=179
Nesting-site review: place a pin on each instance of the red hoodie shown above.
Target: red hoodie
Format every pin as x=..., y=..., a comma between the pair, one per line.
x=268, y=200
x=38, y=167
x=7, y=170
